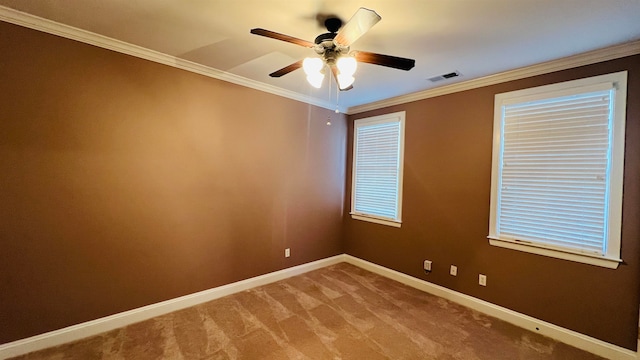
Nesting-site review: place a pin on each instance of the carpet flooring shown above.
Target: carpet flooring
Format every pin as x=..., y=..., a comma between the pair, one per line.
x=338, y=312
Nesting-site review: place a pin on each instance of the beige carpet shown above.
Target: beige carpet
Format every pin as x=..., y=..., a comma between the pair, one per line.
x=338, y=312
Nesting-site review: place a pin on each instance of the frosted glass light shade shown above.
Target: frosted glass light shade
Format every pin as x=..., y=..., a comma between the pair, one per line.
x=315, y=79
x=347, y=65
x=312, y=65
x=344, y=81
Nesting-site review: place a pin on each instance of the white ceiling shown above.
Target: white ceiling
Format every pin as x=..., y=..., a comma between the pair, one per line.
x=475, y=37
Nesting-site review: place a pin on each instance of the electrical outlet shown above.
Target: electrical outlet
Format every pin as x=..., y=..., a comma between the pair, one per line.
x=427, y=265
x=454, y=270
x=482, y=280
x=287, y=252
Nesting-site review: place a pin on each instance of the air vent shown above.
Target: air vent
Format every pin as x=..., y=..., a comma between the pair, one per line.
x=445, y=76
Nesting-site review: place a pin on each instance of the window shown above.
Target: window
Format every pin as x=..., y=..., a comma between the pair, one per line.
x=378, y=149
x=558, y=157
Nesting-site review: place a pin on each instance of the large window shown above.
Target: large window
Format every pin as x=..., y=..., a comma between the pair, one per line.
x=378, y=147
x=558, y=156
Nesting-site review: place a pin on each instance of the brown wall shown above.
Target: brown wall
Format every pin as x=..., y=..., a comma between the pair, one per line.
x=447, y=177
x=124, y=182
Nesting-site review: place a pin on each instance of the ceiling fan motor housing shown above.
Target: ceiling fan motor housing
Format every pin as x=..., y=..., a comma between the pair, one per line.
x=325, y=37
x=333, y=24
x=328, y=49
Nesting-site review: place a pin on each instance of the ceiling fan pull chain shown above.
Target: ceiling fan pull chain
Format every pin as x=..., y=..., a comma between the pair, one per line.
x=337, y=99
x=329, y=116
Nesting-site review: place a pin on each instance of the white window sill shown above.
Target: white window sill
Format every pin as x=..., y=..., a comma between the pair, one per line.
x=566, y=255
x=376, y=220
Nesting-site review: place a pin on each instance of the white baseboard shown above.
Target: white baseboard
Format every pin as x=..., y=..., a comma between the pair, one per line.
x=94, y=327
x=555, y=332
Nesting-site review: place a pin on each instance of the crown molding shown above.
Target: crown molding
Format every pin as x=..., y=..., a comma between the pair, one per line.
x=587, y=58
x=55, y=28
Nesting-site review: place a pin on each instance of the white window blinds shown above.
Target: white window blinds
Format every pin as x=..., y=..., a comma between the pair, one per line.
x=557, y=169
x=555, y=158
x=377, y=167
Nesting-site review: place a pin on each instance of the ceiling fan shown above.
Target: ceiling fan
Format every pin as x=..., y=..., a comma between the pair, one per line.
x=334, y=52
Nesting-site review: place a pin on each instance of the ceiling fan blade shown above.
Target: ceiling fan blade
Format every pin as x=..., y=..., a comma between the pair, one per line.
x=334, y=71
x=360, y=23
x=282, y=37
x=384, y=60
x=287, y=69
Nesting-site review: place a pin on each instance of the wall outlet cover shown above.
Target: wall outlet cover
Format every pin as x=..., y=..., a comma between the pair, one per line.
x=427, y=265
x=482, y=280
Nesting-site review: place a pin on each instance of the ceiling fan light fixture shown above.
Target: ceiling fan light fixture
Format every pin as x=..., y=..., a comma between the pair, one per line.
x=347, y=65
x=312, y=66
x=344, y=81
x=315, y=79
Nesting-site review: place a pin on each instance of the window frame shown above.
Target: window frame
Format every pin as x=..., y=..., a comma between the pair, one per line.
x=398, y=117
x=611, y=257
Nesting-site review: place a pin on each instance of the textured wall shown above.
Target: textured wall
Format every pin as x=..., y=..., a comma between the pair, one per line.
x=447, y=179
x=124, y=182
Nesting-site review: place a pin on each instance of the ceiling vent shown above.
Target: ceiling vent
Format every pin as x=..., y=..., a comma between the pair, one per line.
x=445, y=76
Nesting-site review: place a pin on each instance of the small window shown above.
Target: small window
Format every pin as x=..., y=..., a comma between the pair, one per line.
x=558, y=157
x=378, y=149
